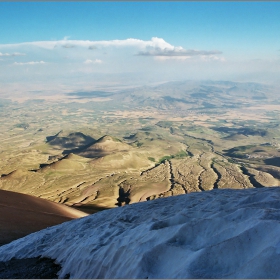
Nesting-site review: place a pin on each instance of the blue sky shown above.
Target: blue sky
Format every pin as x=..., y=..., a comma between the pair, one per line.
x=190, y=24
x=83, y=40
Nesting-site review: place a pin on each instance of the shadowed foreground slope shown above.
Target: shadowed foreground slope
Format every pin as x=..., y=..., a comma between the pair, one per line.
x=214, y=234
x=32, y=268
x=22, y=214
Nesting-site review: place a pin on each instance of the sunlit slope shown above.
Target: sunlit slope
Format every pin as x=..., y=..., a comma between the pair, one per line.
x=23, y=214
x=143, y=166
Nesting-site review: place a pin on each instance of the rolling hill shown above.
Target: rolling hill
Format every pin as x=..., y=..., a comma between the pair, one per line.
x=104, y=146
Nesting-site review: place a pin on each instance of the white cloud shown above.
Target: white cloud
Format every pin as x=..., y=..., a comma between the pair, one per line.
x=176, y=51
x=12, y=54
x=96, y=61
x=212, y=58
x=155, y=59
x=178, y=58
x=56, y=43
x=155, y=47
x=130, y=42
x=30, y=63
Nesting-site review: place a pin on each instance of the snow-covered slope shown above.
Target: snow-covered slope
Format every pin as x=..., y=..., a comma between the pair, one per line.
x=214, y=234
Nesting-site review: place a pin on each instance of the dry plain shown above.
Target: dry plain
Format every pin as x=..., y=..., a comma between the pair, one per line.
x=139, y=144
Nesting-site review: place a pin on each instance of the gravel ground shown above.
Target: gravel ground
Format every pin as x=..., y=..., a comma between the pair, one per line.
x=31, y=268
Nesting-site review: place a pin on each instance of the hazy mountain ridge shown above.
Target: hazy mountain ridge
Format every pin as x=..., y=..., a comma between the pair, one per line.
x=179, y=94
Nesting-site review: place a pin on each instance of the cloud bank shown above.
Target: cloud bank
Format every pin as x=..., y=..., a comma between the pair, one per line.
x=177, y=52
x=86, y=62
x=154, y=47
x=12, y=54
x=96, y=61
x=29, y=63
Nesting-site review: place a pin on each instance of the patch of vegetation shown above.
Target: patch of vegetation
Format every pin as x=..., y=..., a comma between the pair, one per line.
x=179, y=155
x=151, y=159
x=139, y=144
x=164, y=124
x=163, y=159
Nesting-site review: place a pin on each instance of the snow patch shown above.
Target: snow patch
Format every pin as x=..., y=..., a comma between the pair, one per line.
x=214, y=234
